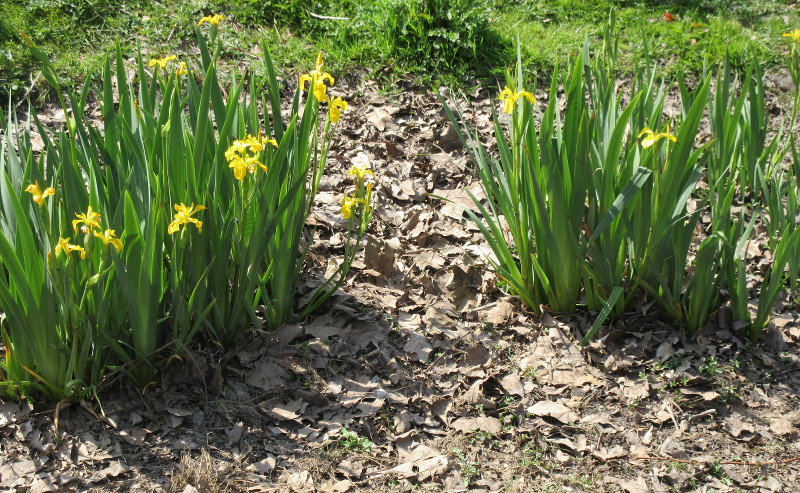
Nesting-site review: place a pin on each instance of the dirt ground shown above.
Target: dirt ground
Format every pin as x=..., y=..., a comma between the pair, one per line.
x=421, y=375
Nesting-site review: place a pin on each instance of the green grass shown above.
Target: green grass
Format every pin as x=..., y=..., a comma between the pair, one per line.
x=703, y=32
x=436, y=41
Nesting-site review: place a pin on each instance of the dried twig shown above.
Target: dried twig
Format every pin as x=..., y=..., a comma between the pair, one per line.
x=732, y=462
x=30, y=88
x=327, y=17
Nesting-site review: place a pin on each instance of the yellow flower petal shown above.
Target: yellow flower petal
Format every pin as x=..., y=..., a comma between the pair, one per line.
x=109, y=237
x=90, y=220
x=348, y=203
x=795, y=35
x=211, y=19
x=38, y=195
x=64, y=245
x=510, y=98
x=347, y=206
x=162, y=62
x=320, y=90
x=183, y=215
x=651, y=137
x=336, y=106
x=360, y=171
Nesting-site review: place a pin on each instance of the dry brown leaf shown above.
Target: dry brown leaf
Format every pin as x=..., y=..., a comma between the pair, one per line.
x=267, y=374
x=418, y=347
x=631, y=486
x=291, y=410
x=606, y=454
x=783, y=427
x=423, y=462
x=300, y=481
x=263, y=466
x=500, y=313
x=235, y=434
x=112, y=471
x=481, y=423
x=351, y=469
x=555, y=410
x=17, y=473
x=512, y=385
x=336, y=486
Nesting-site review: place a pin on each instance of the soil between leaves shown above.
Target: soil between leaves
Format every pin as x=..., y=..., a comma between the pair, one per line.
x=422, y=375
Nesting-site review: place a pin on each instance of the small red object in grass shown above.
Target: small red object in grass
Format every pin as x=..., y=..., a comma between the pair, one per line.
x=669, y=17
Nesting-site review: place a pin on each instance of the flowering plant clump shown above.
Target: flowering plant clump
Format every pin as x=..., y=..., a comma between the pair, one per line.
x=135, y=280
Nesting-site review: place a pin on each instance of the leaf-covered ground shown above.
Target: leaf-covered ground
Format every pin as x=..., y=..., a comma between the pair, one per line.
x=422, y=375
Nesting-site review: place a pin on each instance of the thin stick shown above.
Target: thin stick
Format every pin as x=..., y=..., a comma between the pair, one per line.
x=30, y=88
x=327, y=17
x=733, y=462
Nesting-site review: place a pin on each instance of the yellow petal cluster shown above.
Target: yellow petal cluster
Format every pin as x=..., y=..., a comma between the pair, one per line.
x=317, y=80
x=360, y=171
x=509, y=99
x=65, y=246
x=211, y=19
x=181, y=70
x=795, y=35
x=335, y=107
x=109, y=237
x=242, y=155
x=38, y=194
x=348, y=203
x=162, y=62
x=89, y=220
x=651, y=137
x=183, y=215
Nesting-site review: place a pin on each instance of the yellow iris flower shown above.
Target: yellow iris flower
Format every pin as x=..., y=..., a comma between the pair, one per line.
x=335, y=107
x=64, y=245
x=211, y=19
x=38, y=195
x=243, y=165
x=317, y=80
x=360, y=171
x=109, y=237
x=181, y=70
x=241, y=161
x=237, y=149
x=161, y=62
x=348, y=203
x=183, y=215
x=795, y=35
x=89, y=220
x=509, y=99
x=239, y=166
x=651, y=137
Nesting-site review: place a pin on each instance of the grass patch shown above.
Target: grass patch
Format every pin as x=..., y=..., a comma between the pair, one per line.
x=699, y=34
x=436, y=41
